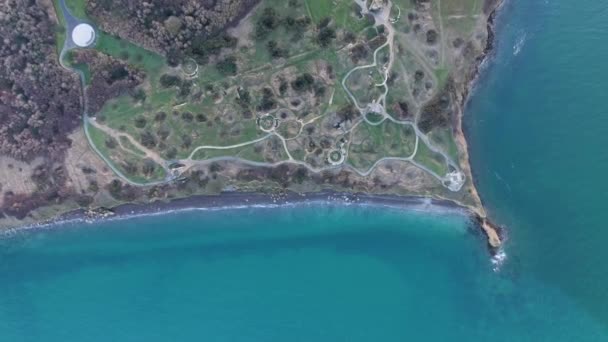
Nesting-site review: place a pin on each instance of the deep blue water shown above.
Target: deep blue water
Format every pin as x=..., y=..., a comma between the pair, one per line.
x=537, y=128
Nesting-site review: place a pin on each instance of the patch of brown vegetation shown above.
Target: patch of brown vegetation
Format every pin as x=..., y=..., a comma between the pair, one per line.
x=39, y=100
x=15, y=176
x=167, y=26
x=86, y=171
x=110, y=78
x=50, y=180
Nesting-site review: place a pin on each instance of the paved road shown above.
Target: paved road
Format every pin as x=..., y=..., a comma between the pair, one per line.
x=70, y=21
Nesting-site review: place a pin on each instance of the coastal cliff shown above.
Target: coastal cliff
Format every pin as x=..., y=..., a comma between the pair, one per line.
x=491, y=230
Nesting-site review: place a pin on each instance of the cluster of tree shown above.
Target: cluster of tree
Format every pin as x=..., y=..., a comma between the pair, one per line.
x=147, y=167
x=276, y=51
x=148, y=139
x=270, y=20
x=193, y=182
x=326, y=33
x=437, y=112
x=402, y=110
x=227, y=66
x=359, y=52
x=111, y=143
x=121, y=191
x=110, y=78
x=50, y=179
x=140, y=122
x=303, y=83
x=431, y=36
x=283, y=85
x=184, y=86
x=267, y=101
x=171, y=27
x=244, y=98
x=284, y=175
x=204, y=47
x=39, y=100
x=167, y=81
x=376, y=42
x=421, y=4
x=347, y=113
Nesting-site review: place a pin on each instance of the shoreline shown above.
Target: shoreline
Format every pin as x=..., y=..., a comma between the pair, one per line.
x=494, y=233
x=237, y=200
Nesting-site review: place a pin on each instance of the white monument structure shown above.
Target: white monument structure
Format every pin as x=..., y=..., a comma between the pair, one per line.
x=83, y=35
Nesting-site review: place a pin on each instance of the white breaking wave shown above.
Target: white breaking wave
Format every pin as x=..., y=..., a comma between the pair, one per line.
x=498, y=260
x=425, y=206
x=519, y=44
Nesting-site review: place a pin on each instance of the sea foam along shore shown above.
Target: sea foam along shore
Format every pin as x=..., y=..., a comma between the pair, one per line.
x=235, y=200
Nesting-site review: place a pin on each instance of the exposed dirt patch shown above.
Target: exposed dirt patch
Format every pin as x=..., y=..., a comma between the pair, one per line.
x=84, y=166
x=15, y=176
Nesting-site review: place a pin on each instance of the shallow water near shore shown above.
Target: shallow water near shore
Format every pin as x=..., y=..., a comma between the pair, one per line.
x=308, y=272
x=320, y=272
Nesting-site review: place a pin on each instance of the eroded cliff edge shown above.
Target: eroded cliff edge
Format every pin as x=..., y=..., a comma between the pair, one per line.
x=492, y=231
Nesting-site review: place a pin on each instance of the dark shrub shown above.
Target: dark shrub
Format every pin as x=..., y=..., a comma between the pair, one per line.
x=201, y=117
x=275, y=51
x=227, y=66
x=160, y=116
x=167, y=81
x=187, y=116
x=267, y=101
x=431, y=36
x=325, y=36
x=111, y=143
x=140, y=122
x=303, y=82
x=267, y=23
x=148, y=139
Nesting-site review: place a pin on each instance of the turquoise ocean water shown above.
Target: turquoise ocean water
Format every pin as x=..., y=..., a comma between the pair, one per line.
x=537, y=126
x=310, y=273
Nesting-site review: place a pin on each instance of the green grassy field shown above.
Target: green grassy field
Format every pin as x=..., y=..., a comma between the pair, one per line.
x=120, y=157
x=98, y=137
x=151, y=62
x=371, y=143
x=246, y=152
x=434, y=161
x=318, y=9
x=445, y=140
x=461, y=15
x=77, y=8
x=442, y=77
x=126, y=143
x=60, y=30
x=343, y=12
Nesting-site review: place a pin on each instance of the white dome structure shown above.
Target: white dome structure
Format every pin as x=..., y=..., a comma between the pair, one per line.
x=83, y=35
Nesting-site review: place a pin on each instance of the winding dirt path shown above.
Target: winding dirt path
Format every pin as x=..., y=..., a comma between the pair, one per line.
x=382, y=17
